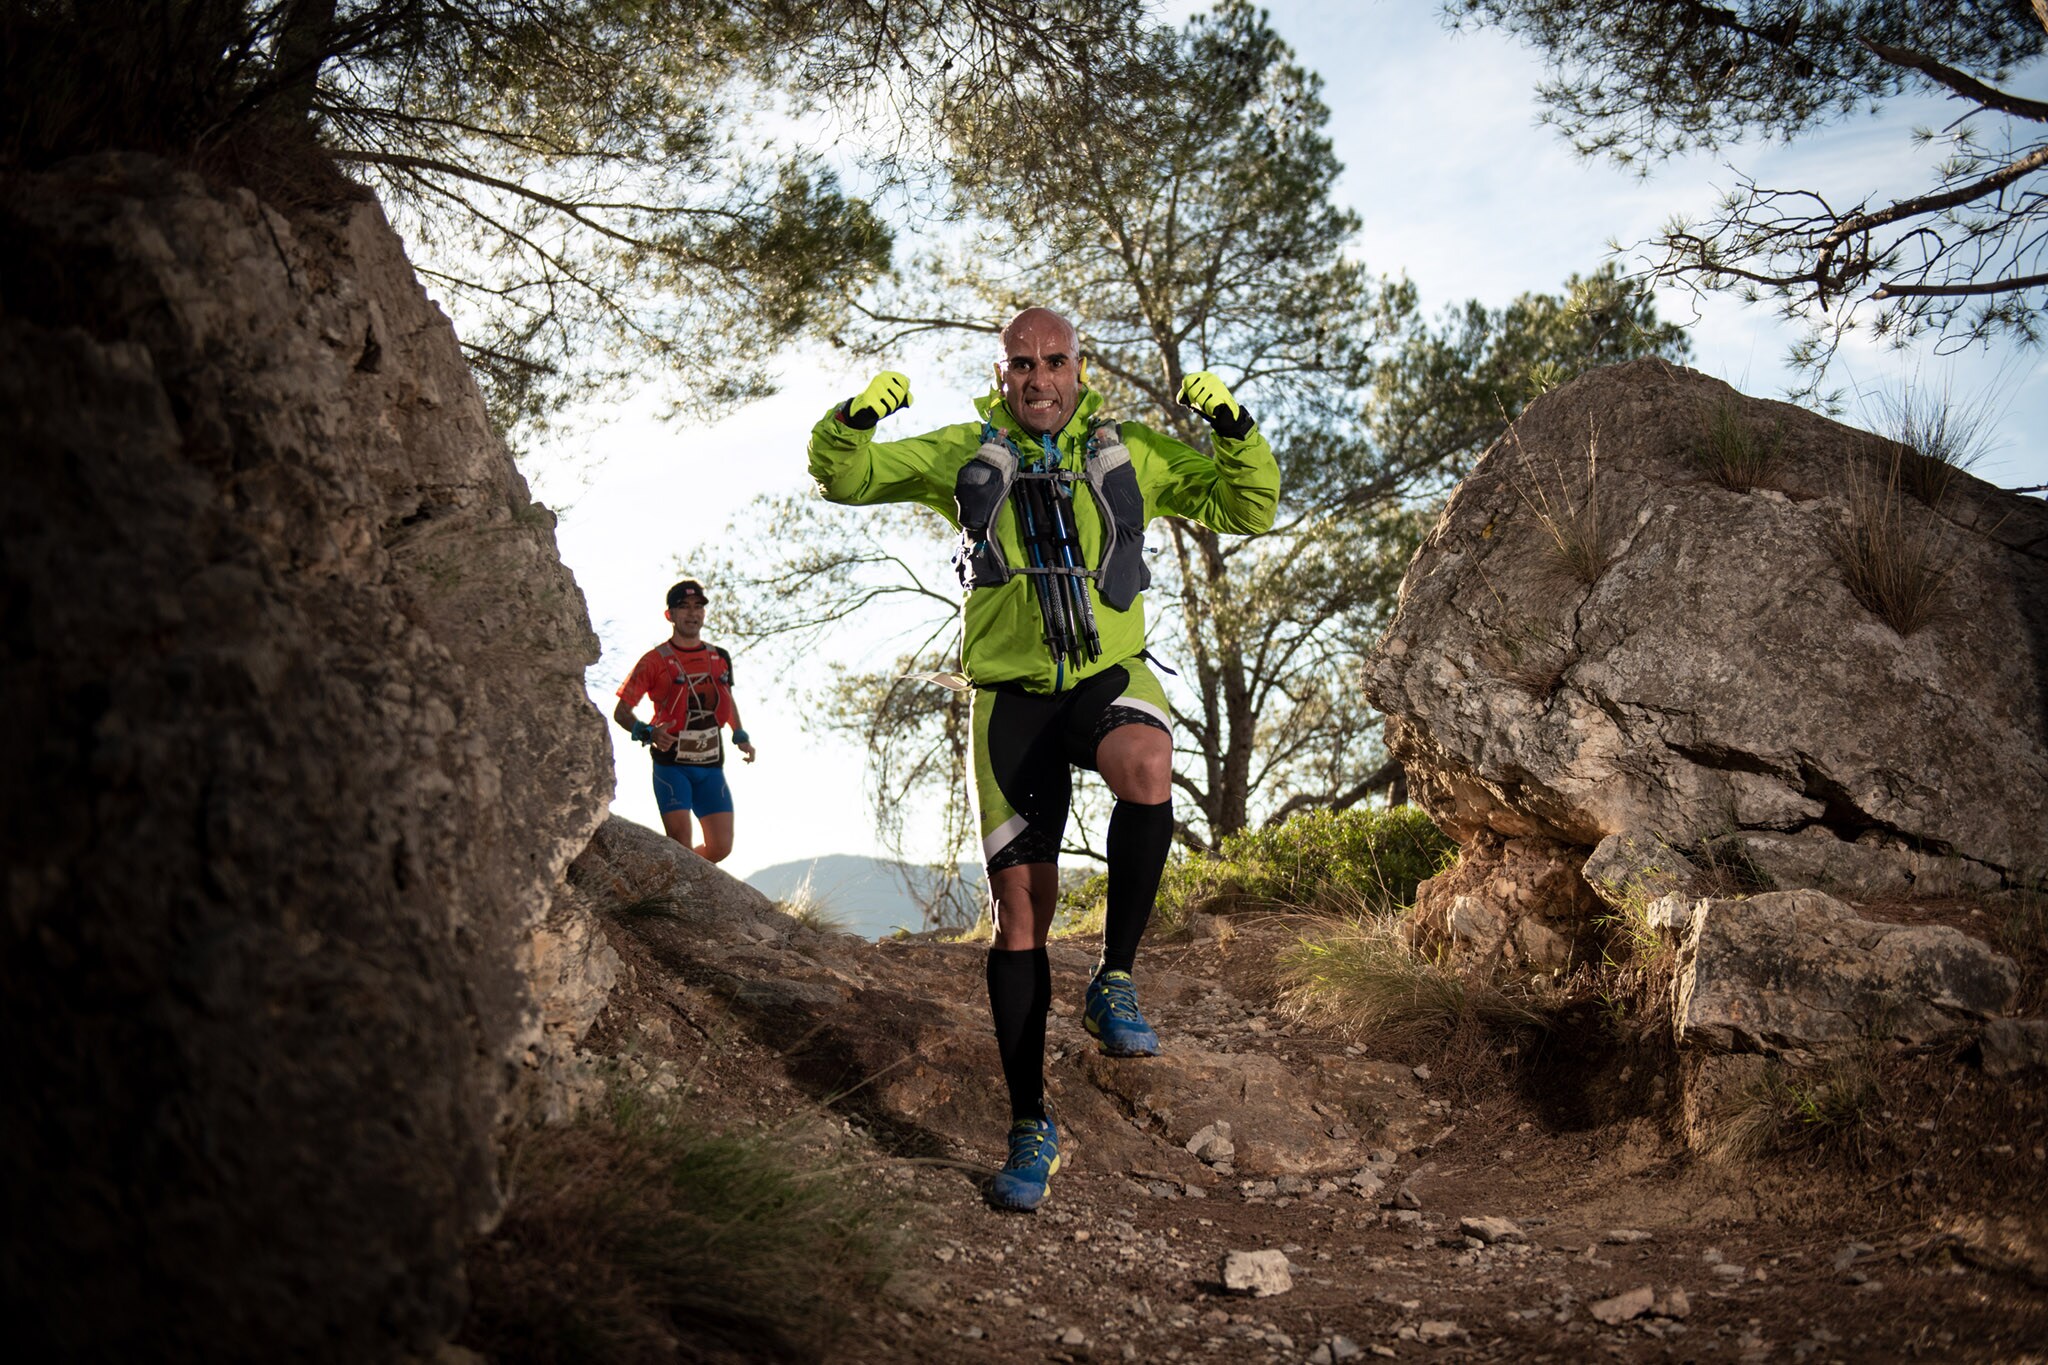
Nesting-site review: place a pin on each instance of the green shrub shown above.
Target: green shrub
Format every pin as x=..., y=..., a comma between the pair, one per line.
x=1357, y=861
x=1361, y=859
x=637, y=1231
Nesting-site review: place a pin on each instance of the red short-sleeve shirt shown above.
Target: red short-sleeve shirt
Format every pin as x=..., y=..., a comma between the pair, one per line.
x=691, y=686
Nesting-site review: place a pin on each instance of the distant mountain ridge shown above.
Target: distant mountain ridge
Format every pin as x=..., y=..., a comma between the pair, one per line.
x=869, y=896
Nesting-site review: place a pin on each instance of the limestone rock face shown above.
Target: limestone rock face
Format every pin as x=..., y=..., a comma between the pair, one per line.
x=1815, y=859
x=297, y=750
x=1717, y=675
x=1801, y=971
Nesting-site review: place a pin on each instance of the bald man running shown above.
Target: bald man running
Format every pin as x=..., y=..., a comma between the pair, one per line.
x=1052, y=497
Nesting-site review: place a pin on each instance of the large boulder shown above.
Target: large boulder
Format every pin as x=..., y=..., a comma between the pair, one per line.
x=297, y=750
x=1703, y=669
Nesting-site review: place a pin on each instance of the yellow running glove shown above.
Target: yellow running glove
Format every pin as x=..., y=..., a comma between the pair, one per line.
x=1205, y=393
x=885, y=393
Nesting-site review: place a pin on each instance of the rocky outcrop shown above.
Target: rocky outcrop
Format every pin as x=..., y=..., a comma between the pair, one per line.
x=1599, y=639
x=1523, y=901
x=1798, y=971
x=297, y=750
x=898, y=1034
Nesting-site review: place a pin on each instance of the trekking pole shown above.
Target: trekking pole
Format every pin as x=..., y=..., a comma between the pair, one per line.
x=1055, y=635
x=1066, y=552
x=1070, y=550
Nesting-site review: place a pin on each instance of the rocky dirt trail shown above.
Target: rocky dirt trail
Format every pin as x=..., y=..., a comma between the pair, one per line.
x=1414, y=1215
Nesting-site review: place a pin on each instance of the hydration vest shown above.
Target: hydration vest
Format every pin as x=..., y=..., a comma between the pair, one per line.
x=986, y=482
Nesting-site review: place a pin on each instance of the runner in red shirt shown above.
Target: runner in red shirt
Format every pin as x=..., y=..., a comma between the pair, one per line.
x=690, y=683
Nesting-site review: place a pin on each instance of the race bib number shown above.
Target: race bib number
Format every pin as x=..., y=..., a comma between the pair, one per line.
x=697, y=746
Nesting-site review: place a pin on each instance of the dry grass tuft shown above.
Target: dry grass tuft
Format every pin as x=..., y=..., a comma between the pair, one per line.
x=1931, y=439
x=1363, y=975
x=1735, y=456
x=638, y=1235
x=808, y=907
x=1895, y=556
x=1832, y=1108
x=655, y=905
x=1572, y=521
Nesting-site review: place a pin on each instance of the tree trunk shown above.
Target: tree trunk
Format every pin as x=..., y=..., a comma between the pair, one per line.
x=302, y=49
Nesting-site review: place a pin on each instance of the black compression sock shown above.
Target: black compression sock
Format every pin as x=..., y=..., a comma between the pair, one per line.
x=1019, y=994
x=1139, y=837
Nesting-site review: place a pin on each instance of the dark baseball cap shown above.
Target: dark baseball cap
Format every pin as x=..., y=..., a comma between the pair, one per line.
x=688, y=591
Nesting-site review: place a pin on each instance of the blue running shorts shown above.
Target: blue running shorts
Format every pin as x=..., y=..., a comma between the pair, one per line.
x=693, y=787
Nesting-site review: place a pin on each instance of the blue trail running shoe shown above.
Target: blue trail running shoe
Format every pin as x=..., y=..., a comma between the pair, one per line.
x=1113, y=1017
x=1034, y=1156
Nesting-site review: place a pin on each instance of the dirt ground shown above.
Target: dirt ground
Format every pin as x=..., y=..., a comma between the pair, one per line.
x=1929, y=1245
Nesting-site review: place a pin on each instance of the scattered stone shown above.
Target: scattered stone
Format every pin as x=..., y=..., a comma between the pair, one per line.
x=1848, y=1255
x=1368, y=1183
x=1422, y=1073
x=1259, y=1189
x=1624, y=1237
x=1407, y=1198
x=1212, y=1143
x=1675, y=1304
x=1073, y=1336
x=1294, y=1184
x=1258, y=1273
x=1343, y=1348
x=1380, y=1156
x=1489, y=1230
x=1624, y=1307
x=1438, y=1331
x=1728, y=1270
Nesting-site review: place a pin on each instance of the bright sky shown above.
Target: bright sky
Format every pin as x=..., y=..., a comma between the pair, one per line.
x=1457, y=187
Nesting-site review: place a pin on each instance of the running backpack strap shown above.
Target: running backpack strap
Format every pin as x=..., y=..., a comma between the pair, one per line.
x=979, y=491
x=674, y=661
x=1113, y=479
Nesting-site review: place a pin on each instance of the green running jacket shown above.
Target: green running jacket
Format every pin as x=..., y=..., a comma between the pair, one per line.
x=1236, y=492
